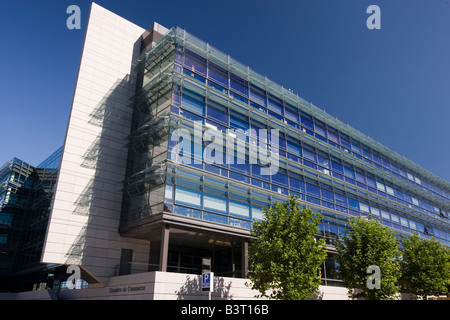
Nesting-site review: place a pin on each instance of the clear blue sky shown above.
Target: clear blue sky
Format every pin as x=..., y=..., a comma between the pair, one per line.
x=392, y=84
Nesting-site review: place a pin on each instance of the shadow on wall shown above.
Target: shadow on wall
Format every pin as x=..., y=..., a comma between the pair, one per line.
x=191, y=289
x=107, y=148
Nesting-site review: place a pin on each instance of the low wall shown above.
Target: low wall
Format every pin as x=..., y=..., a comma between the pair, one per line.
x=163, y=286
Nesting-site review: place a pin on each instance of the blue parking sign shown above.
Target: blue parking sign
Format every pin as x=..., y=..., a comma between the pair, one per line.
x=208, y=281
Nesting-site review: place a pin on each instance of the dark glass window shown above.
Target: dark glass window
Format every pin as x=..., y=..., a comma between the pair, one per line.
x=258, y=95
x=309, y=154
x=337, y=167
x=218, y=74
x=238, y=121
x=276, y=105
x=291, y=113
x=195, y=62
x=217, y=113
x=239, y=85
x=312, y=189
x=307, y=121
x=193, y=102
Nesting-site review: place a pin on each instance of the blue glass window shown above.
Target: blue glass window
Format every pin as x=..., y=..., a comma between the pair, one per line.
x=323, y=160
x=239, y=209
x=188, y=197
x=280, y=177
x=312, y=190
x=353, y=204
x=257, y=213
x=333, y=136
x=239, y=85
x=296, y=184
x=294, y=148
x=217, y=113
x=341, y=200
x=258, y=95
x=291, y=113
x=345, y=142
x=276, y=105
x=348, y=172
x=319, y=128
x=218, y=74
x=367, y=153
x=193, y=102
x=337, y=167
x=238, y=121
x=217, y=87
x=214, y=202
x=327, y=195
x=309, y=154
x=307, y=121
x=356, y=147
x=195, y=62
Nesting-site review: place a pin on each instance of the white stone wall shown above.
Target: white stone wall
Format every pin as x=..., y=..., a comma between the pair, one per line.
x=83, y=226
x=177, y=286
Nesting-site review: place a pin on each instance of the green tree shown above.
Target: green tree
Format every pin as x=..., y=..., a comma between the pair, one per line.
x=285, y=258
x=366, y=244
x=425, y=267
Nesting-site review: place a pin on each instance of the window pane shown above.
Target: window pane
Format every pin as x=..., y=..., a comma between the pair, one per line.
x=193, y=102
x=319, y=128
x=258, y=95
x=312, y=190
x=215, y=203
x=364, y=207
x=257, y=213
x=218, y=74
x=341, y=200
x=239, y=208
x=309, y=154
x=353, y=204
x=337, y=167
x=292, y=114
x=217, y=112
x=374, y=211
x=348, y=172
x=345, y=142
x=195, y=62
x=188, y=196
x=296, y=184
x=327, y=195
x=294, y=148
x=276, y=105
x=307, y=121
x=239, y=85
x=238, y=121
x=333, y=136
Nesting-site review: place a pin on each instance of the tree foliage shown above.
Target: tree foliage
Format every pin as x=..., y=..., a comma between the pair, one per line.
x=368, y=243
x=425, y=267
x=285, y=257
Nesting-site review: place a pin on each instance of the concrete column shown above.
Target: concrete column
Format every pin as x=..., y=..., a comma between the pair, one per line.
x=244, y=258
x=164, y=251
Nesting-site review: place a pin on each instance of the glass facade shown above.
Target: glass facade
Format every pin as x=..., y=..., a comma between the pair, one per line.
x=25, y=202
x=203, y=123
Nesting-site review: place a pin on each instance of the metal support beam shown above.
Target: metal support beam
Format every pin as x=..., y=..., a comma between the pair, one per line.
x=164, y=252
x=244, y=258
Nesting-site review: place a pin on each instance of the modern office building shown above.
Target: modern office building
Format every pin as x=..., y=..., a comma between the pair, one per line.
x=26, y=193
x=174, y=148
